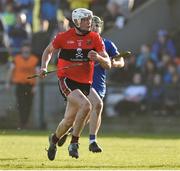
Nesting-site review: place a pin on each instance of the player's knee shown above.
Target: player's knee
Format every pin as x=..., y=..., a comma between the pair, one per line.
x=88, y=117
x=99, y=106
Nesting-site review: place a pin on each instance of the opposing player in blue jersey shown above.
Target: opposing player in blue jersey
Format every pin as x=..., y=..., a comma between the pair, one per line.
x=98, y=90
x=99, y=85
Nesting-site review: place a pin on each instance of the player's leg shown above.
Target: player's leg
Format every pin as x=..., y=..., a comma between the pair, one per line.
x=63, y=139
x=94, y=120
x=84, y=109
x=64, y=125
x=85, y=89
x=69, y=117
x=77, y=108
x=76, y=105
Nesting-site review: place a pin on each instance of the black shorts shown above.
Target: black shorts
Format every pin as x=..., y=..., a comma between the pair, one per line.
x=67, y=85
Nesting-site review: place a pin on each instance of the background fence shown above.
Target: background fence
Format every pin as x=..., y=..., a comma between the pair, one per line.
x=49, y=105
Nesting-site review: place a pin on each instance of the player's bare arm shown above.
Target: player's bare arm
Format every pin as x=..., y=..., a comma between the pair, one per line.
x=46, y=57
x=101, y=57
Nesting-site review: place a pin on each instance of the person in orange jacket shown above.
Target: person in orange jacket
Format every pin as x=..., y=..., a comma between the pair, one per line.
x=23, y=65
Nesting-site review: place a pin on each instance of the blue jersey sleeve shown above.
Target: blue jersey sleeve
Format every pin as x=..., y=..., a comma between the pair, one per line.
x=111, y=48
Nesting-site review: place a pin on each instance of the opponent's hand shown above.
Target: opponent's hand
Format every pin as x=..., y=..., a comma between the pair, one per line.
x=42, y=73
x=124, y=54
x=118, y=63
x=93, y=55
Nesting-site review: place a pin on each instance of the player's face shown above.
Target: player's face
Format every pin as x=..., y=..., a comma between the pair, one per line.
x=96, y=28
x=86, y=23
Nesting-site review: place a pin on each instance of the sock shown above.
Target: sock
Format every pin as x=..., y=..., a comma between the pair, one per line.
x=92, y=138
x=74, y=139
x=55, y=139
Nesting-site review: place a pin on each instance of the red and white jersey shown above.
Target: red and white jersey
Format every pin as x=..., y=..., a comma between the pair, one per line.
x=74, y=49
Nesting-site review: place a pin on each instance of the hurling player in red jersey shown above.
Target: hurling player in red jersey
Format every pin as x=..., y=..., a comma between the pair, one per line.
x=77, y=46
x=98, y=90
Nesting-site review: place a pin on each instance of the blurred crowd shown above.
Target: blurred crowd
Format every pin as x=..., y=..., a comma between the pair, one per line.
x=36, y=22
x=153, y=76
x=17, y=20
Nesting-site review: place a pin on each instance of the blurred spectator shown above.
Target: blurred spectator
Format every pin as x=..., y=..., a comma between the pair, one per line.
x=165, y=59
x=69, y=5
x=48, y=11
x=155, y=97
x=130, y=69
x=137, y=91
x=145, y=54
x=40, y=40
x=98, y=6
x=26, y=7
x=24, y=64
x=169, y=71
x=73, y=4
x=111, y=16
x=149, y=70
x=63, y=5
x=172, y=97
x=4, y=3
x=134, y=97
x=177, y=62
x=118, y=12
x=19, y=33
x=1, y=28
x=63, y=25
x=8, y=17
x=2, y=6
x=164, y=45
x=125, y=6
x=3, y=52
x=4, y=56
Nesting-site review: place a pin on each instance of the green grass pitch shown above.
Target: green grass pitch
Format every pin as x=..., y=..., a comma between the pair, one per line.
x=26, y=150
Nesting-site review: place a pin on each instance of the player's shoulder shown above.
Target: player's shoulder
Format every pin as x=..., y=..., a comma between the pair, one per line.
x=94, y=34
x=66, y=33
x=108, y=41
